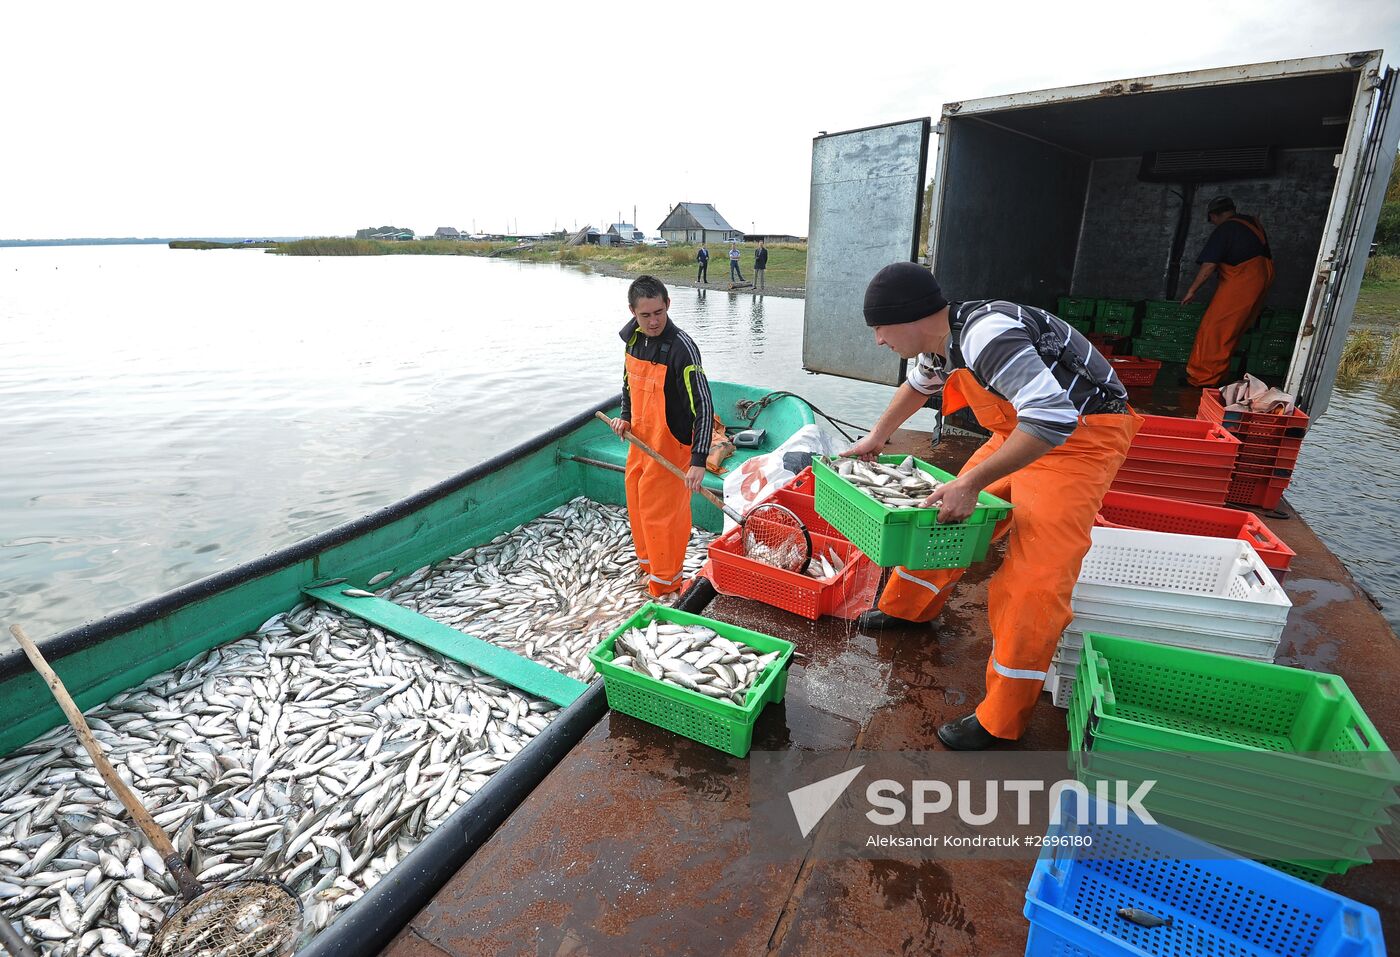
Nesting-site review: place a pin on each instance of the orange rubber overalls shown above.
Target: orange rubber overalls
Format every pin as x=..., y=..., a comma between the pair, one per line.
x=1056, y=498
x=658, y=503
x=1238, y=300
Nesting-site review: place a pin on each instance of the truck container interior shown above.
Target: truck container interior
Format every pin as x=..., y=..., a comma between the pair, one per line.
x=1105, y=196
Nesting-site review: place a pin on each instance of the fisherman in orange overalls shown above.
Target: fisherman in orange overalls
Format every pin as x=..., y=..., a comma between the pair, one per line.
x=1061, y=426
x=1239, y=252
x=665, y=403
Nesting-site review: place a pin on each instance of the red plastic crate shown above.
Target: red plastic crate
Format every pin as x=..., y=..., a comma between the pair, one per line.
x=1246, y=425
x=736, y=574
x=1146, y=469
x=1257, y=491
x=1134, y=372
x=1262, y=470
x=804, y=508
x=1110, y=345
x=1156, y=514
x=803, y=483
x=1204, y=493
x=1184, y=435
x=1254, y=455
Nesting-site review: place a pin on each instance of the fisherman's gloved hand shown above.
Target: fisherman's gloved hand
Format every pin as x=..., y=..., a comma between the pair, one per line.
x=955, y=500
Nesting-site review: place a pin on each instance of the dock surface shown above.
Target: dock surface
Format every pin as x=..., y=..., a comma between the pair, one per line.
x=638, y=842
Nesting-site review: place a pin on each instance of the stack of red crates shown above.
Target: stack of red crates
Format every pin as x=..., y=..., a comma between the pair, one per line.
x=1269, y=449
x=1183, y=459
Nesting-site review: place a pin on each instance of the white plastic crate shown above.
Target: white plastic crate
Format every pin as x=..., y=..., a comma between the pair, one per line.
x=1182, y=631
x=1222, y=582
x=1059, y=681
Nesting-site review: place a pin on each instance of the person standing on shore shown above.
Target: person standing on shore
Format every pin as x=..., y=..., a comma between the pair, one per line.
x=760, y=264
x=1061, y=426
x=734, y=269
x=666, y=403
x=702, y=273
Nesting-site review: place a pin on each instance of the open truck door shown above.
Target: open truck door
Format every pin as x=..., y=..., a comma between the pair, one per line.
x=1365, y=165
x=867, y=203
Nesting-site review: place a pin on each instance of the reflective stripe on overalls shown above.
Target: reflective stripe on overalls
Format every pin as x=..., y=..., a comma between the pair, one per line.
x=658, y=503
x=1238, y=300
x=1056, y=499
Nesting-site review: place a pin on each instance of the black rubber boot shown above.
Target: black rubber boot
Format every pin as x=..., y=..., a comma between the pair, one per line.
x=966, y=734
x=877, y=620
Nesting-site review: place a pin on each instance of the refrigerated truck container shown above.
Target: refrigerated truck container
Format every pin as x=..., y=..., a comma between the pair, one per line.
x=1100, y=190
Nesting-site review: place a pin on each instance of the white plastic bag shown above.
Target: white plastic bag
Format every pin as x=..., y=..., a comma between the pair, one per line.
x=754, y=480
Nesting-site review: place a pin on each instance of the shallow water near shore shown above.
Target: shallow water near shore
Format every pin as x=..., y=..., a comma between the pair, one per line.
x=171, y=413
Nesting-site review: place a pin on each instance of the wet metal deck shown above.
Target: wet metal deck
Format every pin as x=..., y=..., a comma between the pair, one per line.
x=637, y=843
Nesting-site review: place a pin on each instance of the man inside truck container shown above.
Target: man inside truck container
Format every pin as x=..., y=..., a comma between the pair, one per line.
x=1061, y=426
x=1238, y=252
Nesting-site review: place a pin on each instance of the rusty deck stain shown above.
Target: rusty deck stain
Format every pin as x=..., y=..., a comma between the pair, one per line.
x=638, y=842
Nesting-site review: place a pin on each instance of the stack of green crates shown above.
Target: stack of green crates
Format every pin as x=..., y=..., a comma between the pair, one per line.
x=1115, y=317
x=1168, y=330
x=1270, y=346
x=1276, y=763
x=1077, y=311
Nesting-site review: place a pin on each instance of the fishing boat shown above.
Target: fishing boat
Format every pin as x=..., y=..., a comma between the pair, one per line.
x=580, y=457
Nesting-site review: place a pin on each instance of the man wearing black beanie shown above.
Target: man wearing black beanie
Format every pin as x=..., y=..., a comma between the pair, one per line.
x=1061, y=427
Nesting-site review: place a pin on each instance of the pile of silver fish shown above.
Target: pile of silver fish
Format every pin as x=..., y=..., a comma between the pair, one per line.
x=318, y=750
x=550, y=591
x=694, y=657
x=895, y=486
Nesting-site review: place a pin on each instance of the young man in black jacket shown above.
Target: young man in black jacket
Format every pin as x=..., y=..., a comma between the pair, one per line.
x=666, y=403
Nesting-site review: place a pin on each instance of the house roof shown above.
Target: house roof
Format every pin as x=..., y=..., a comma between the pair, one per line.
x=696, y=216
x=623, y=229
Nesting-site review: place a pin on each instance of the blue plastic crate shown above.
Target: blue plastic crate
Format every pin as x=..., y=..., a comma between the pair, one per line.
x=1218, y=904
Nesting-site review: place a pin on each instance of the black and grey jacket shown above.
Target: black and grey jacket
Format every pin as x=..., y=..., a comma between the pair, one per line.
x=690, y=410
x=1047, y=370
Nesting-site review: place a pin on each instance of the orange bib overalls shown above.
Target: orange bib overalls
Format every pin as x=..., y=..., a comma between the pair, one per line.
x=1238, y=300
x=658, y=503
x=1056, y=499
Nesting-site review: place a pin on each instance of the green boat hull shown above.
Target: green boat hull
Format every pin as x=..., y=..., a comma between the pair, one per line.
x=102, y=658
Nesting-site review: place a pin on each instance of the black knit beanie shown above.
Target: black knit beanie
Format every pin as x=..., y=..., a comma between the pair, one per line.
x=902, y=292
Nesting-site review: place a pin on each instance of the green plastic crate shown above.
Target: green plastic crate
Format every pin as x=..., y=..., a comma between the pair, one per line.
x=1242, y=832
x=1281, y=320
x=1269, y=367
x=1135, y=695
x=1083, y=325
x=1168, y=350
x=1075, y=307
x=1170, y=329
x=1115, y=317
x=1272, y=343
x=1166, y=309
x=909, y=537
x=722, y=725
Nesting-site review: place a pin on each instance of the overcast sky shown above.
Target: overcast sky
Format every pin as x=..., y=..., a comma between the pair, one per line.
x=305, y=118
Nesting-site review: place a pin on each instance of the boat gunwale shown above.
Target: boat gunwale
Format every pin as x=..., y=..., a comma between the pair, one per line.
x=92, y=633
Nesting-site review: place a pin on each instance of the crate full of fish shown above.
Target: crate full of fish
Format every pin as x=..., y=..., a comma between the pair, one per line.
x=877, y=506
x=812, y=593
x=705, y=680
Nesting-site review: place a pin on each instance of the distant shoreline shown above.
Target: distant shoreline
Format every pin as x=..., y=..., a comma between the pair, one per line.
x=674, y=265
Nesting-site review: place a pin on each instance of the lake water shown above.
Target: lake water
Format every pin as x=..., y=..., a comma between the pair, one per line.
x=165, y=414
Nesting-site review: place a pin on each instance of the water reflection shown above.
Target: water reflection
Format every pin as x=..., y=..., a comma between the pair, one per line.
x=1347, y=485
